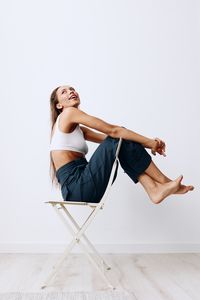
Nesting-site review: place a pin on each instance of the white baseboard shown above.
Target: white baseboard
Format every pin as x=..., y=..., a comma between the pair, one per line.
x=107, y=248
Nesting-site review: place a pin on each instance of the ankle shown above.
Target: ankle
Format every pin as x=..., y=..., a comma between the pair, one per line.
x=164, y=180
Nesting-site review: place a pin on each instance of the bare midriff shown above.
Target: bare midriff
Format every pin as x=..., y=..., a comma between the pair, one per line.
x=62, y=157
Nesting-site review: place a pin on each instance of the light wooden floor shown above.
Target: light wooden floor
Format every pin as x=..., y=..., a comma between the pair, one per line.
x=146, y=276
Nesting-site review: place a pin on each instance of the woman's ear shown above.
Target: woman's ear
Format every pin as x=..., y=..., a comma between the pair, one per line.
x=58, y=105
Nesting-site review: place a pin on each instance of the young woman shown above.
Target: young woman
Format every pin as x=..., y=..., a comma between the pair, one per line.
x=83, y=180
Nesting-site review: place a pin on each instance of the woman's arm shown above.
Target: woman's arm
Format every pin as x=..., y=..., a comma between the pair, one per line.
x=93, y=136
x=75, y=115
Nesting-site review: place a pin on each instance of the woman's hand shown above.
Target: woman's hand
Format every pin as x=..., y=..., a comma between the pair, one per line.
x=157, y=145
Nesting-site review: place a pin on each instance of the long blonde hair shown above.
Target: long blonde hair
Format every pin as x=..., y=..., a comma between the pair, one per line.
x=54, y=112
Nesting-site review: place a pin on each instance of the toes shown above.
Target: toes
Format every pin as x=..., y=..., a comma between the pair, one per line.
x=189, y=188
x=178, y=180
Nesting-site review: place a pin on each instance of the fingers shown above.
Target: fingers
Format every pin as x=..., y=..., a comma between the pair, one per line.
x=161, y=151
x=160, y=142
x=161, y=147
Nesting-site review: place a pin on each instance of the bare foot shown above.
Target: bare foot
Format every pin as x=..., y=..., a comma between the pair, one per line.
x=182, y=188
x=162, y=191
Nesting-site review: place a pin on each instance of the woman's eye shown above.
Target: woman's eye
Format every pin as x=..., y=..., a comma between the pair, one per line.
x=63, y=92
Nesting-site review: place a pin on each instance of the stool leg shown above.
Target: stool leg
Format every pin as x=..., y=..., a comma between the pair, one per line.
x=85, y=237
x=75, y=240
x=99, y=271
x=89, y=244
x=59, y=263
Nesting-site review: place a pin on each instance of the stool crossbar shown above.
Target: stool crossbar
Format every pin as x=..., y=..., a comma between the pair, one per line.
x=78, y=232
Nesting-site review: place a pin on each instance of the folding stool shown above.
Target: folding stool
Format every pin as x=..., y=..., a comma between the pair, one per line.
x=79, y=231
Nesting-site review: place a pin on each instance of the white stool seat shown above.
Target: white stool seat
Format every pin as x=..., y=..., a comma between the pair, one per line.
x=73, y=203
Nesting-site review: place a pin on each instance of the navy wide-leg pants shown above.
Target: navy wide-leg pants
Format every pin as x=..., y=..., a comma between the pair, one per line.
x=86, y=181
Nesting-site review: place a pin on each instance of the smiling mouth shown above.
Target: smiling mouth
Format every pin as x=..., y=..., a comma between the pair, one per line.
x=72, y=97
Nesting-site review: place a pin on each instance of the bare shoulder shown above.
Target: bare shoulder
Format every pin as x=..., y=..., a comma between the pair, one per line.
x=68, y=119
x=71, y=113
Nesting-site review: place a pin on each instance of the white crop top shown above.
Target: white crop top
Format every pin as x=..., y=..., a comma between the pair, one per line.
x=73, y=141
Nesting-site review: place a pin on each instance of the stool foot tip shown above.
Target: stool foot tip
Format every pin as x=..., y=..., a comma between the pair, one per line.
x=43, y=287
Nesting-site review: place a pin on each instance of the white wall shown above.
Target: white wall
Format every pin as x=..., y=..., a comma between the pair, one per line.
x=134, y=63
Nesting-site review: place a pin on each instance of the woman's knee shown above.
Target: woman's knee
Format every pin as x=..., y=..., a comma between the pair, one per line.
x=131, y=151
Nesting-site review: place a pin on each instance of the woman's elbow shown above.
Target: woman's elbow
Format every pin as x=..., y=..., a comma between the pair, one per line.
x=115, y=132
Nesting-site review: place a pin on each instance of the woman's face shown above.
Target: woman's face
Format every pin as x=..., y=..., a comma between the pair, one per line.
x=67, y=97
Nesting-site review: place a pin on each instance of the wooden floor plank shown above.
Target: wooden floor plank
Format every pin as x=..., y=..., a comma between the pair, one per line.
x=147, y=276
